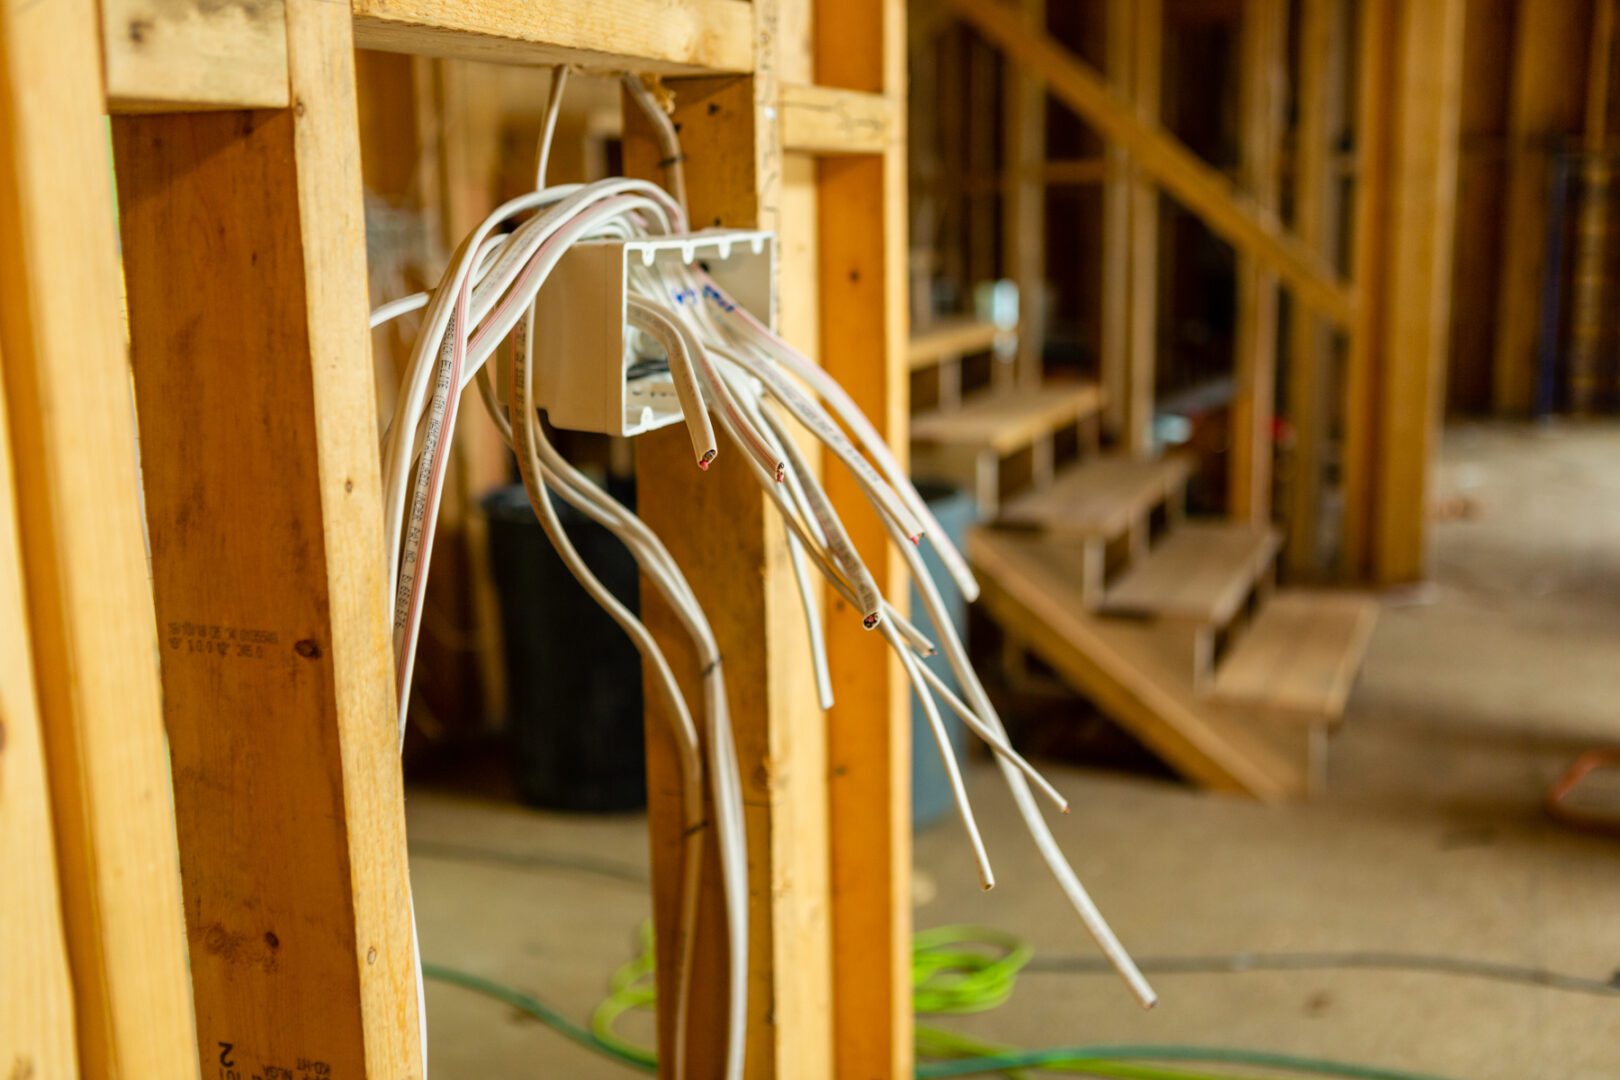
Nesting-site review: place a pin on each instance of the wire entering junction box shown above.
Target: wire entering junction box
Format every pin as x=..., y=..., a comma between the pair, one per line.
x=592, y=371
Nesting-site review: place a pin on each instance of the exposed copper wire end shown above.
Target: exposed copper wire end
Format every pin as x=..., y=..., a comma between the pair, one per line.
x=871, y=621
x=703, y=462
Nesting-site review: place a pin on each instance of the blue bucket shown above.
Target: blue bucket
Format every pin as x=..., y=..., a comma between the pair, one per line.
x=930, y=788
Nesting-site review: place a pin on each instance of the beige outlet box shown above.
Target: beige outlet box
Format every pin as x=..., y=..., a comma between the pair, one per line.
x=584, y=354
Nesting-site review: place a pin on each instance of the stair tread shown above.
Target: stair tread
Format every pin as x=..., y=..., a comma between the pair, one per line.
x=1136, y=671
x=1005, y=420
x=1100, y=496
x=1202, y=572
x=956, y=335
x=1301, y=653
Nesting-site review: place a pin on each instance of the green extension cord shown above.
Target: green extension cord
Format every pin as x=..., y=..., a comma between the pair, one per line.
x=954, y=970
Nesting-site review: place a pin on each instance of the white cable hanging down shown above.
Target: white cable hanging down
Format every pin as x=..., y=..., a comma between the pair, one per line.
x=721, y=364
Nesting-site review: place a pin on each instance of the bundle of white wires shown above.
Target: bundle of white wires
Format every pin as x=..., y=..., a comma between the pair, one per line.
x=728, y=366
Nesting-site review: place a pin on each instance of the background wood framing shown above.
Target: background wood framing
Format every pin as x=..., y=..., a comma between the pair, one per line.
x=1264, y=84
x=1408, y=119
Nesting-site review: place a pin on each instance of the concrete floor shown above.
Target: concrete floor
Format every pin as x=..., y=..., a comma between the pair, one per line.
x=1477, y=691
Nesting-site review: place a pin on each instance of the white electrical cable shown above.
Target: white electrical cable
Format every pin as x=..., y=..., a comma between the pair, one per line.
x=723, y=771
x=743, y=429
x=1068, y=881
x=428, y=434
x=458, y=367
x=533, y=450
x=936, y=725
x=844, y=407
x=548, y=129
x=721, y=358
x=947, y=757
x=824, y=518
x=669, y=143
x=835, y=397
x=992, y=738
x=687, y=390
x=811, y=416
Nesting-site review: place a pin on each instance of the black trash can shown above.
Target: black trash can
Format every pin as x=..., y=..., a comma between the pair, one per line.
x=573, y=678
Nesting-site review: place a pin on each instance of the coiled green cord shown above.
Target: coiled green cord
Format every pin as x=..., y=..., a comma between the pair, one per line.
x=954, y=970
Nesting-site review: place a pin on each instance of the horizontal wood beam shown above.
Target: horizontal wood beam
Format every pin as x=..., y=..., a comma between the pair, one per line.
x=1075, y=172
x=196, y=55
x=827, y=120
x=173, y=55
x=689, y=36
x=1059, y=173
x=1230, y=213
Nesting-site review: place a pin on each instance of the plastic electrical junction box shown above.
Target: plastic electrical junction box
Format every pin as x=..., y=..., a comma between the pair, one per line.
x=592, y=371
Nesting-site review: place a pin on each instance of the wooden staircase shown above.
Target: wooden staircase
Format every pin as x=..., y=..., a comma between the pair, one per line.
x=1175, y=627
x=1001, y=437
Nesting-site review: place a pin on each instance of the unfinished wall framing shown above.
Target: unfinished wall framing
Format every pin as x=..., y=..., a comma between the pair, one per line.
x=237, y=153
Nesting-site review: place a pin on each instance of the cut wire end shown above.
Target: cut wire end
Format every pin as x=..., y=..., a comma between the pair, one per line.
x=703, y=462
x=872, y=620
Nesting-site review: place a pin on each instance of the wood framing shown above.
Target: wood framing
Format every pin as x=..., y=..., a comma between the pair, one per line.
x=164, y=55
x=1546, y=101
x=90, y=622
x=1114, y=332
x=650, y=35
x=730, y=543
x=1023, y=232
x=243, y=241
x=860, y=45
x=1077, y=173
x=1130, y=302
x=1254, y=345
x=1201, y=188
x=36, y=993
x=1411, y=80
x=982, y=184
x=245, y=260
x=1317, y=213
x=1142, y=354
x=827, y=120
x=1590, y=328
